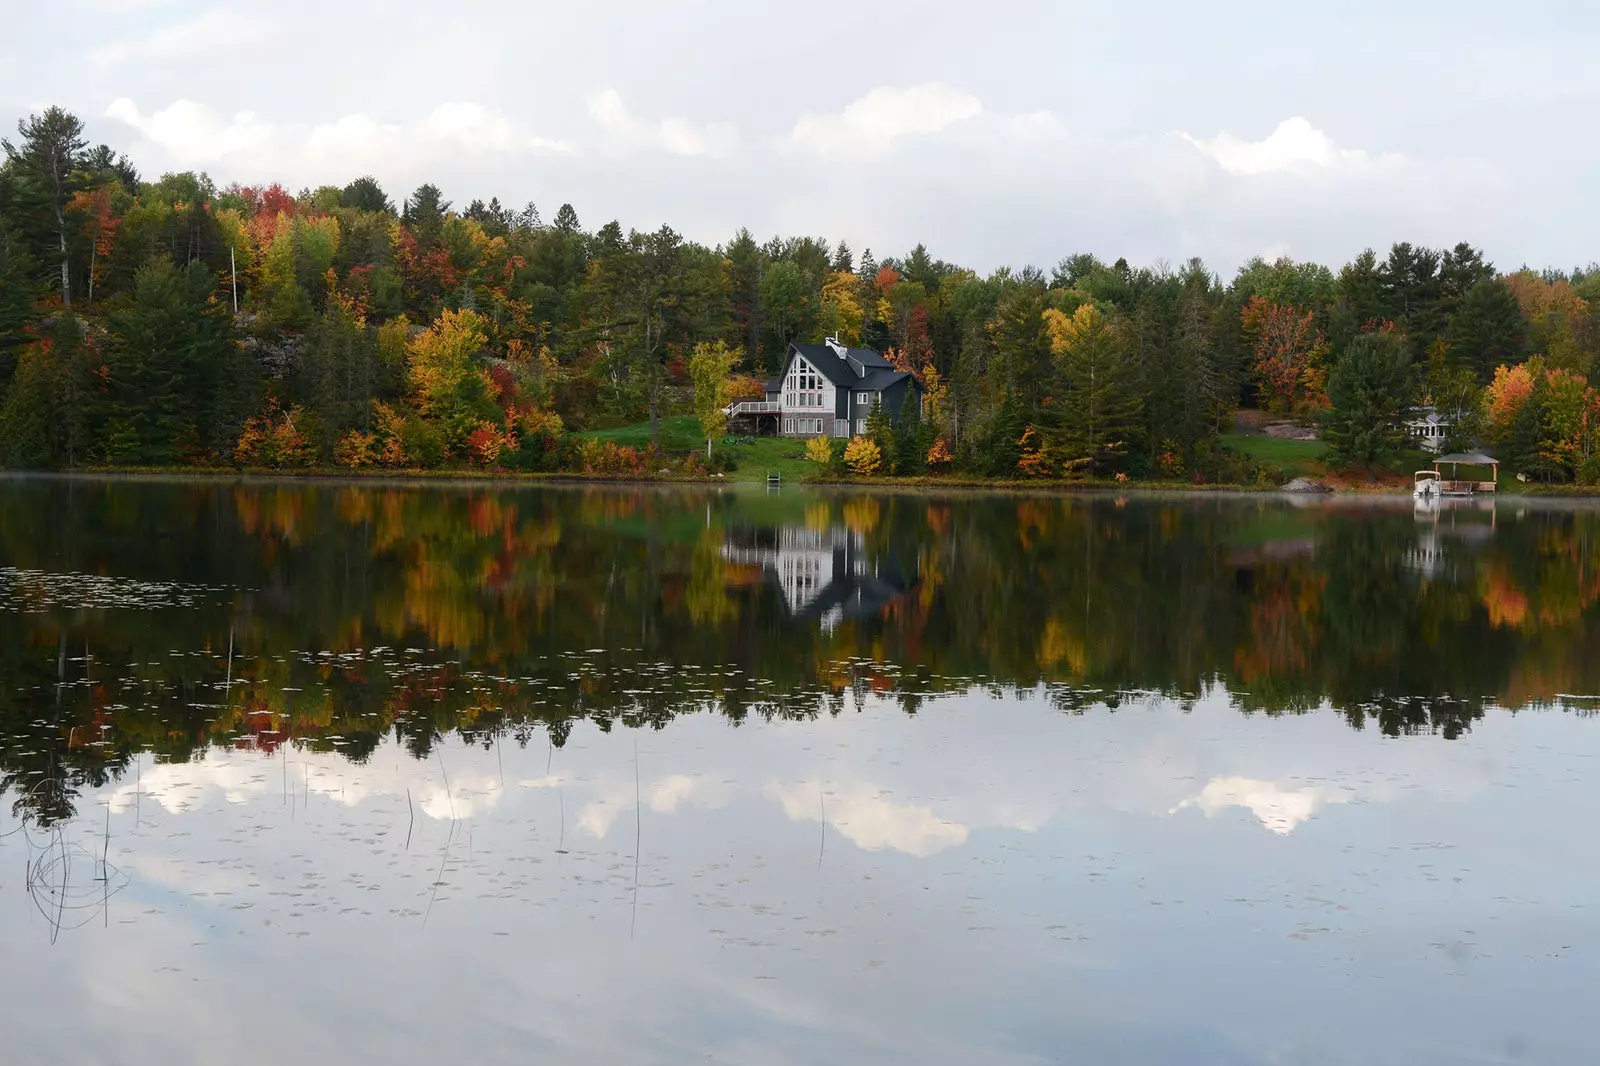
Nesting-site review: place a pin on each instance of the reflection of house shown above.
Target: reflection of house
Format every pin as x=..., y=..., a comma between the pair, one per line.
x=826, y=390
x=1438, y=523
x=1429, y=429
x=825, y=574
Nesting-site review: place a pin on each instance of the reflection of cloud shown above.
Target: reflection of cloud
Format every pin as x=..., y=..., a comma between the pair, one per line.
x=463, y=800
x=180, y=787
x=597, y=818
x=871, y=822
x=666, y=794
x=1279, y=809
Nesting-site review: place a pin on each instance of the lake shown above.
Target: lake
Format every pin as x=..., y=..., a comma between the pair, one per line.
x=431, y=774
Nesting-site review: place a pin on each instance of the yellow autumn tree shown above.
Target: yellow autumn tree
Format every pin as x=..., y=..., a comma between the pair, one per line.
x=452, y=389
x=710, y=365
x=842, y=315
x=863, y=456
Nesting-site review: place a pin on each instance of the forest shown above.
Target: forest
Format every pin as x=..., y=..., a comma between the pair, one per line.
x=164, y=323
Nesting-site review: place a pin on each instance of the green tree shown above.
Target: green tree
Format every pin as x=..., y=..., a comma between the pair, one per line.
x=1021, y=344
x=912, y=436
x=17, y=288
x=365, y=194
x=784, y=303
x=172, y=344
x=880, y=430
x=47, y=167
x=1097, y=401
x=709, y=367
x=1487, y=329
x=1369, y=396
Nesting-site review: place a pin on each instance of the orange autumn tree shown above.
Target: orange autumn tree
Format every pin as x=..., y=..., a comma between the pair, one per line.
x=1511, y=388
x=1290, y=353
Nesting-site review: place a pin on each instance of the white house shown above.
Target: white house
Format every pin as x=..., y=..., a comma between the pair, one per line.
x=1429, y=429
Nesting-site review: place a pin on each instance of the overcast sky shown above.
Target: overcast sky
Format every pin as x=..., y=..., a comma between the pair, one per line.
x=1005, y=133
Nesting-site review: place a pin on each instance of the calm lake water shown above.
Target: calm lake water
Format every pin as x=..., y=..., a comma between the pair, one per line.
x=402, y=774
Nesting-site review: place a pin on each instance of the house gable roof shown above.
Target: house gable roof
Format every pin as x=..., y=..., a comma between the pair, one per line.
x=827, y=362
x=878, y=380
x=858, y=368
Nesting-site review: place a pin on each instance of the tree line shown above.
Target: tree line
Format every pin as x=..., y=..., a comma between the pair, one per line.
x=172, y=322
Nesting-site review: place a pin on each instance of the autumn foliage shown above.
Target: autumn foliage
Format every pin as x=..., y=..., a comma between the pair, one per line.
x=1289, y=355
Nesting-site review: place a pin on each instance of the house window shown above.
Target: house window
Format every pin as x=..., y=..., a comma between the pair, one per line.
x=803, y=386
x=841, y=428
x=788, y=425
x=861, y=427
x=864, y=398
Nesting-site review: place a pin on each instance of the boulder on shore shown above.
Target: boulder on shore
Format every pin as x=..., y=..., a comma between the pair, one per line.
x=1307, y=485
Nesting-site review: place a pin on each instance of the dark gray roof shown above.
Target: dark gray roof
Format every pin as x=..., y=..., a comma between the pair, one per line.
x=878, y=380
x=864, y=361
x=826, y=360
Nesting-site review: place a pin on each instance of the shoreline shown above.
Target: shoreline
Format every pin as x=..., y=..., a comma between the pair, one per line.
x=898, y=484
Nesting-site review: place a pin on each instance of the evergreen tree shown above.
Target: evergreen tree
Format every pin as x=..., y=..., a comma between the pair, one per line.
x=998, y=450
x=1097, y=400
x=1487, y=329
x=45, y=419
x=1369, y=395
x=18, y=285
x=47, y=170
x=365, y=194
x=880, y=429
x=1021, y=345
x=169, y=346
x=911, y=436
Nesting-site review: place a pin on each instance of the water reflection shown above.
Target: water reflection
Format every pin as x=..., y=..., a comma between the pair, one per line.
x=177, y=617
x=451, y=774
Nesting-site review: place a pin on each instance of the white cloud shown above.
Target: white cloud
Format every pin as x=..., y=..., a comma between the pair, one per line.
x=211, y=31
x=1295, y=144
x=883, y=116
x=1033, y=126
x=192, y=134
x=1280, y=809
x=677, y=136
x=871, y=821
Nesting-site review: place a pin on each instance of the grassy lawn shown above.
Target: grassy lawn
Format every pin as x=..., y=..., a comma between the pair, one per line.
x=780, y=455
x=1297, y=456
x=677, y=434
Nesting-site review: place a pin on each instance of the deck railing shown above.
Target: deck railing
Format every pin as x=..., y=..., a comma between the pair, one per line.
x=752, y=407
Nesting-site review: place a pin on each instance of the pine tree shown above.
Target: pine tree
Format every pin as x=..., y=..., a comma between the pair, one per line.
x=47, y=166
x=18, y=285
x=1097, y=401
x=1487, y=329
x=880, y=429
x=911, y=437
x=1369, y=396
x=170, y=345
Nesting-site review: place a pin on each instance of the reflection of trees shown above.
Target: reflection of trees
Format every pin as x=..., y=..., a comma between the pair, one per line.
x=360, y=612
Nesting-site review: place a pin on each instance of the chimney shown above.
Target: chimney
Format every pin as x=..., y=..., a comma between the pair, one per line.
x=838, y=349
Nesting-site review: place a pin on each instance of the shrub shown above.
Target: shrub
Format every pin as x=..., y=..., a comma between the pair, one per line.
x=356, y=449
x=273, y=440
x=820, y=451
x=605, y=458
x=863, y=456
x=421, y=444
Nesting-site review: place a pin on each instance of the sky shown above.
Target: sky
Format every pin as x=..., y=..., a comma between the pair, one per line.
x=1003, y=134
